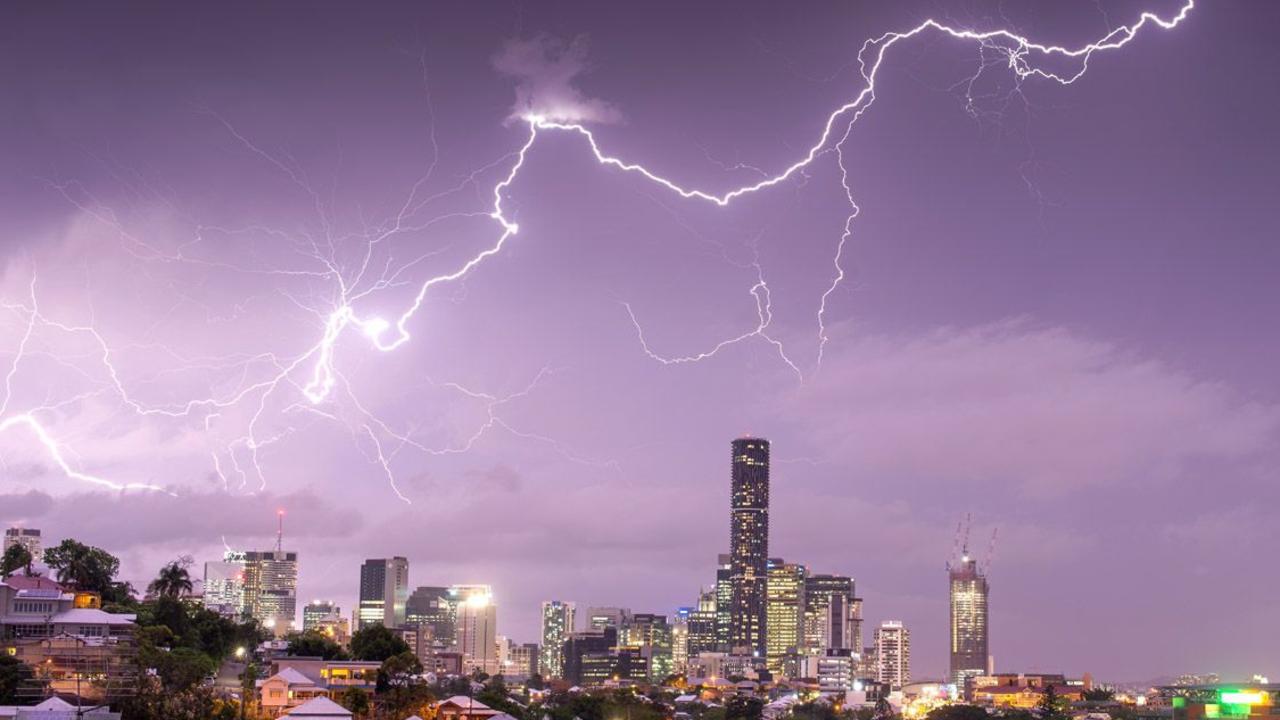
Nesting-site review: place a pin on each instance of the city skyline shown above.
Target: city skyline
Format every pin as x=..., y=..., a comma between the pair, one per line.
x=1052, y=310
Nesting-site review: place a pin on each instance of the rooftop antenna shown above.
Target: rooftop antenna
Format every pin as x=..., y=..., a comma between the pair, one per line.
x=280, y=530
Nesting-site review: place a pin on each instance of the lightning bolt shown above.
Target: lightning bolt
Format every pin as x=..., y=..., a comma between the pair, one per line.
x=313, y=372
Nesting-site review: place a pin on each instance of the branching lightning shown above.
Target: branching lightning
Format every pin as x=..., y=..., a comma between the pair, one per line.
x=313, y=373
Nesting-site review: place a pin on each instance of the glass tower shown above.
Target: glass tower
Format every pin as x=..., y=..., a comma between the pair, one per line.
x=969, y=649
x=749, y=544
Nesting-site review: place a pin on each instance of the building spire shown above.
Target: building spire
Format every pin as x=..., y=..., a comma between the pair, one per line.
x=280, y=530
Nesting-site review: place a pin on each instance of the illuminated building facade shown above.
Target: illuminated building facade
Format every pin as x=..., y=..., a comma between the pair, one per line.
x=224, y=585
x=430, y=607
x=784, y=607
x=384, y=591
x=477, y=628
x=703, y=636
x=893, y=654
x=749, y=543
x=969, y=625
x=724, y=599
x=650, y=636
x=832, y=615
x=557, y=624
x=271, y=588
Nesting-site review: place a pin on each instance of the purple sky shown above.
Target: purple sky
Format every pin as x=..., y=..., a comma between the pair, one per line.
x=1058, y=313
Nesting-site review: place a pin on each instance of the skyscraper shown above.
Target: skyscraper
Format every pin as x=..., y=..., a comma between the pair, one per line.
x=703, y=635
x=969, y=626
x=650, y=634
x=785, y=611
x=384, y=590
x=477, y=628
x=749, y=543
x=224, y=585
x=271, y=588
x=832, y=615
x=430, y=607
x=557, y=624
x=28, y=538
x=893, y=654
x=723, y=598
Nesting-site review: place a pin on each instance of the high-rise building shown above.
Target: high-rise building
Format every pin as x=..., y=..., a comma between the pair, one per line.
x=749, y=543
x=724, y=599
x=28, y=538
x=430, y=606
x=651, y=635
x=680, y=639
x=784, y=608
x=384, y=590
x=602, y=617
x=317, y=610
x=476, y=634
x=518, y=661
x=969, y=626
x=585, y=650
x=224, y=585
x=893, y=654
x=557, y=624
x=832, y=615
x=271, y=588
x=703, y=636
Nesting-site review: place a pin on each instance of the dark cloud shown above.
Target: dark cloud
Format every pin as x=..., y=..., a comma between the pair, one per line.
x=22, y=506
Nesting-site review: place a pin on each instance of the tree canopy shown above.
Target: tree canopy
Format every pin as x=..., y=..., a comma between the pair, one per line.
x=376, y=643
x=315, y=644
x=172, y=581
x=16, y=557
x=84, y=567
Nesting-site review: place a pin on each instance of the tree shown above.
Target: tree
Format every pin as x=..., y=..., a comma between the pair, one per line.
x=356, y=700
x=13, y=673
x=15, y=557
x=744, y=708
x=957, y=712
x=173, y=581
x=1099, y=695
x=1052, y=706
x=315, y=644
x=883, y=708
x=87, y=568
x=376, y=643
x=184, y=668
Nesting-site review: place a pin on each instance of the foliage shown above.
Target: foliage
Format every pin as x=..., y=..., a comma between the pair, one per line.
x=1099, y=695
x=403, y=691
x=173, y=581
x=957, y=712
x=183, y=668
x=315, y=644
x=1052, y=706
x=13, y=673
x=376, y=643
x=356, y=700
x=152, y=701
x=87, y=568
x=496, y=696
x=744, y=708
x=820, y=710
x=16, y=557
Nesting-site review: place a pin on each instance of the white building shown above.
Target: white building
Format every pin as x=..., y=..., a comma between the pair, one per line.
x=477, y=630
x=271, y=589
x=28, y=538
x=893, y=654
x=224, y=585
x=834, y=671
x=38, y=608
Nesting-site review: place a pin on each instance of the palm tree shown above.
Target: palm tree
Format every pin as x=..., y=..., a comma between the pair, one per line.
x=15, y=557
x=173, y=581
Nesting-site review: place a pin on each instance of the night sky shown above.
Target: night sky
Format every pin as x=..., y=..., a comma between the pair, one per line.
x=1057, y=312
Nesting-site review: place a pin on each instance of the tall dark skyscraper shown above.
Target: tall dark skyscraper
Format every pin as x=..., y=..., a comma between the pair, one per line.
x=969, y=648
x=749, y=543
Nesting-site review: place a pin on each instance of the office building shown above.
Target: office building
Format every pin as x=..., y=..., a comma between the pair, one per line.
x=557, y=623
x=519, y=660
x=784, y=608
x=833, y=670
x=602, y=617
x=680, y=639
x=224, y=585
x=703, y=635
x=271, y=589
x=893, y=654
x=749, y=543
x=384, y=591
x=431, y=606
x=476, y=633
x=832, y=615
x=969, y=625
x=650, y=636
x=724, y=599
x=583, y=649
x=28, y=538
